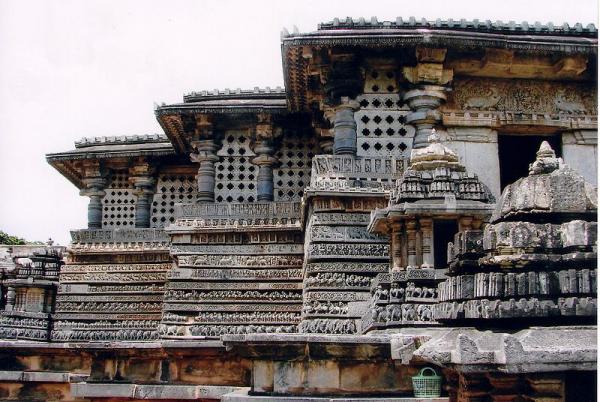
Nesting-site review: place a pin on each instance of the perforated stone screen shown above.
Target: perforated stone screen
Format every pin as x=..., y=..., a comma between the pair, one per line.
x=381, y=128
x=235, y=174
x=118, y=205
x=293, y=173
x=171, y=189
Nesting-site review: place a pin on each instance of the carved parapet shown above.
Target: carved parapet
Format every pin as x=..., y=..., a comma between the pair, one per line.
x=118, y=235
x=236, y=217
x=352, y=174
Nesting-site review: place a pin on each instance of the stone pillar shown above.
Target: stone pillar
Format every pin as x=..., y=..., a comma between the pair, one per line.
x=205, y=155
x=344, y=128
x=426, y=225
x=265, y=162
x=428, y=78
x=11, y=295
x=424, y=103
x=411, y=234
x=396, y=229
x=95, y=182
x=264, y=148
x=143, y=182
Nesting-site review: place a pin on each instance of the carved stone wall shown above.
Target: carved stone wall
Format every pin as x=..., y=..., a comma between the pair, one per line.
x=341, y=259
x=238, y=270
x=523, y=96
x=112, y=286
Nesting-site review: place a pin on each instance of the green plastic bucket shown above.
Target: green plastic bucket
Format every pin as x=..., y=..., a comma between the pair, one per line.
x=427, y=383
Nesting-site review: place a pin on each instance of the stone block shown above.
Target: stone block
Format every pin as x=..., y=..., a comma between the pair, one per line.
x=262, y=376
x=322, y=376
x=289, y=377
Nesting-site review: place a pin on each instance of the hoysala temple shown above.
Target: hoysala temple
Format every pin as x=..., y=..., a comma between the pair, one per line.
x=421, y=194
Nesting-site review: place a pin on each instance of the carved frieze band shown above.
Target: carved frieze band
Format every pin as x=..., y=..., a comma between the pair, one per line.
x=352, y=251
x=246, y=286
x=332, y=218
x=296, y=307
x=74, y=268
x=525, y=96
x=251, y=210
x=352, y=234
x=227, y=260
x=92, y=277
x=254, y=249
x=337, y=296
x=354, y=267
x=365, y=204
x=236, y=274
x=118, y=235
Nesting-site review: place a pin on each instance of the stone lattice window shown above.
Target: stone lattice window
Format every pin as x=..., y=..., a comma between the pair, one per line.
x=171, y=189
x=380, y=121
x=235, y=174
x=293, y=173
x=118, y=205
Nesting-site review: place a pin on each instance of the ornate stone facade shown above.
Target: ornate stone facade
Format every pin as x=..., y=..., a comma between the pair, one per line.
x=276, y=244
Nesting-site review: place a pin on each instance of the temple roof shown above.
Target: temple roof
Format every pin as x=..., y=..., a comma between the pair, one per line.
x=68, y=163
x=456, y=36
x=235, y=94
x=510, y=27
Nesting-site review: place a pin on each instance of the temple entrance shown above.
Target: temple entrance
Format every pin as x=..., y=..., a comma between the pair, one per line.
x=516, y=152
x=443, y=233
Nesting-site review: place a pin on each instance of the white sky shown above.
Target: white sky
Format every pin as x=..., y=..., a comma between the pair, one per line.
x=72, y=68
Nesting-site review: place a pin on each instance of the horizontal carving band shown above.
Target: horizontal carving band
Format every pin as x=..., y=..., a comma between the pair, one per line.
x=118, y=235
x=252, y=249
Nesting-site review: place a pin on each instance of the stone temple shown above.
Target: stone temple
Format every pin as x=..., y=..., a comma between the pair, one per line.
x=421, y=194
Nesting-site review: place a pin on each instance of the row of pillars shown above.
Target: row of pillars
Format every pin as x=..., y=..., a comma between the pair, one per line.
x=95, y=184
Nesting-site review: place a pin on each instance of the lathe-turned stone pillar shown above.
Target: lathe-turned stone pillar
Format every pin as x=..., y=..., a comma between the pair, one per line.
x=144, y=184
x=424, y=103
x=265, y=161
x=344, y=128
x=428, y=93
x=95, y=183
x=264, y=148
x=205, y=155
x=343, y=82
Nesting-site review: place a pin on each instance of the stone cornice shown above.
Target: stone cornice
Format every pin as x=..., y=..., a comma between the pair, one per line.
x=510, y=27
x=67, y=163
x=392, y=36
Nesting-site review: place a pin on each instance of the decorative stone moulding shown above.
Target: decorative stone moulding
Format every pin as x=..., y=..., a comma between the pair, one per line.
x=536, y=260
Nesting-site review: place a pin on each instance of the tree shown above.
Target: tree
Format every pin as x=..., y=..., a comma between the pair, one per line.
x=5, y=238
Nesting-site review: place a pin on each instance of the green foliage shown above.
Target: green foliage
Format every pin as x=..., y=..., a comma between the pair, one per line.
x=5, y=238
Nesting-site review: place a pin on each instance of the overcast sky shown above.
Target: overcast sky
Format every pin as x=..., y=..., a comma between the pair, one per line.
x=70, y=69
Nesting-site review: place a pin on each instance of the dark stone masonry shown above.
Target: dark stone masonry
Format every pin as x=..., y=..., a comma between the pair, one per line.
x=421, y=194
